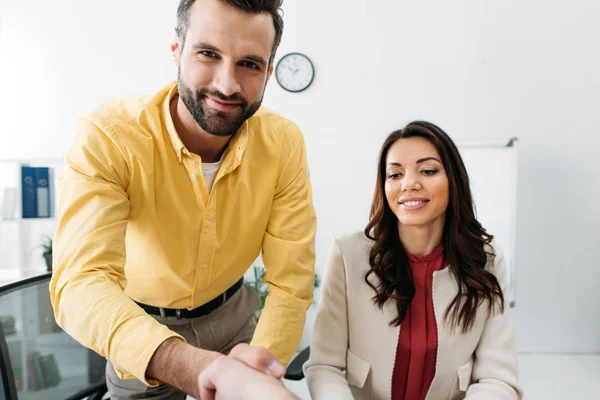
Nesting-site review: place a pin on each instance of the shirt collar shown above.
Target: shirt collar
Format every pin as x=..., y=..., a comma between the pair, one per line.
x=176, y=142
x=438, y=252
x=236, y=146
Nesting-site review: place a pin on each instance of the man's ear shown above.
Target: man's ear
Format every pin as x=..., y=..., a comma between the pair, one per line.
x=270, y=70
x=175, y=47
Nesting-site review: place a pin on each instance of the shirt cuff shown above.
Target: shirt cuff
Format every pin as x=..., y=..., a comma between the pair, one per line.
x=139, y=371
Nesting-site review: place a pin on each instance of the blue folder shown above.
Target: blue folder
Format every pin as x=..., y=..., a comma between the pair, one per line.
x=42, y=188
x=28, y=192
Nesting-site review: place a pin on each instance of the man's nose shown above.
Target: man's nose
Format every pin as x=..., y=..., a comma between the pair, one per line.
x=225, y=80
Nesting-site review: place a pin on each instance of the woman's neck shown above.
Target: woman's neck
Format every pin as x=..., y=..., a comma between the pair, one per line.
x=421, y=240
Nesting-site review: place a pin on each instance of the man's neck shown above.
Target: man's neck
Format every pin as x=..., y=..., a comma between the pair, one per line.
x=209, y=147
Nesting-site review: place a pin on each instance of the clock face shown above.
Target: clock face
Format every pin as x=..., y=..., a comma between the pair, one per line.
x=295, y=72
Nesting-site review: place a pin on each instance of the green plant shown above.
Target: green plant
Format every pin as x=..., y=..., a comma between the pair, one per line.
x=47, y=252
x=47, y=245
x=262, y=289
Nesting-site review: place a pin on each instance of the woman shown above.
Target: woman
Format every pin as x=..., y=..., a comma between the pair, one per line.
x=414, y=307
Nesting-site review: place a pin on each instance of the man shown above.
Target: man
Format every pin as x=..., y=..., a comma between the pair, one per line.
x=167, y=200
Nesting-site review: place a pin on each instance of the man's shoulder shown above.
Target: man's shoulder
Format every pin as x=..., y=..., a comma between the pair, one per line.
x=268, y=115
x=127, y=109
x=119, y=110
x=269, y=123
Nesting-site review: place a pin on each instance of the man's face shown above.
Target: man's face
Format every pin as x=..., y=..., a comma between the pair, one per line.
x=223, y=65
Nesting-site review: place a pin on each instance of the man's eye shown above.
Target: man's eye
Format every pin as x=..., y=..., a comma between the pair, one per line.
x=207, y=53
x=250, y=64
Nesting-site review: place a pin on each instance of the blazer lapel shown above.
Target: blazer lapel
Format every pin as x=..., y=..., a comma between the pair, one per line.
x=444, y=291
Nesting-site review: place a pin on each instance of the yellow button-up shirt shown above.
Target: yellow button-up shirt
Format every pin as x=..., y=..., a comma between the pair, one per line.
x=136, y=221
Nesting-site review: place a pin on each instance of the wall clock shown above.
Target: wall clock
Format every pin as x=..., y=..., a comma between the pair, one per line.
x=294, y=72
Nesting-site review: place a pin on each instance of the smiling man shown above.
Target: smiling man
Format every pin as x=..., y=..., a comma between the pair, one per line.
x=168, y=199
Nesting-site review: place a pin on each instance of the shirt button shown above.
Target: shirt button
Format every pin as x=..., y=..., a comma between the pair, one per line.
x=208, y=223
x=204, y=266
x=194, y=176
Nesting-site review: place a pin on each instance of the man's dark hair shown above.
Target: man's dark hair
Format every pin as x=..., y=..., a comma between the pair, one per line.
x=272, y=7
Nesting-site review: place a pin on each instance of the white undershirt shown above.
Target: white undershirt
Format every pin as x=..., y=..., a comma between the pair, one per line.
x=210, y=172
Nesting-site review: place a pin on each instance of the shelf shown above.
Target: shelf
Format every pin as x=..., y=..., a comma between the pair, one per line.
x=48, y=160
x=38, y=219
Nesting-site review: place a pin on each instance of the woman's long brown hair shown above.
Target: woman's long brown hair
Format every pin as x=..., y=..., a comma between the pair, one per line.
x=464, y=239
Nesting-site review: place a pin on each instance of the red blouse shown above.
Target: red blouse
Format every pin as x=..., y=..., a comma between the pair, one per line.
x=416, y=352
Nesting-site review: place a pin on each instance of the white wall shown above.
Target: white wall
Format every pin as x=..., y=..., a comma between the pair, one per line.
x=60, y=58
x=482, y=70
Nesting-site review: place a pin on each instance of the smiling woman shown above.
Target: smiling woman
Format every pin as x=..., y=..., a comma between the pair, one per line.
x=416, y=186
x=427, y=279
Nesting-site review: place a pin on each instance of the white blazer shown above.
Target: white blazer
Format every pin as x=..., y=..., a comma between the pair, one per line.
x=353, y=346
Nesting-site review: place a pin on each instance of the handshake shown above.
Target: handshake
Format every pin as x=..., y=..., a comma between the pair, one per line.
x=246, y=373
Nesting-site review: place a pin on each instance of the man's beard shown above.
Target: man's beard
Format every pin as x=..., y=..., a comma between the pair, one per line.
x=214, y=122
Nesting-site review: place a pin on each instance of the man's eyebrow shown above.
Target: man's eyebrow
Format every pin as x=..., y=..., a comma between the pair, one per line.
x=257, y=59
x=252, y=57
x=204, y=46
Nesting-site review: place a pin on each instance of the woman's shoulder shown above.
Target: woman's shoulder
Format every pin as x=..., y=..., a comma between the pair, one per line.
x=354, y=248
x=495, y=257
x=491, y=247
x=354, y=241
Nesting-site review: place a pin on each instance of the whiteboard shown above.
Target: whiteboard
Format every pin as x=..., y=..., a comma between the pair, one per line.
x=492, y=170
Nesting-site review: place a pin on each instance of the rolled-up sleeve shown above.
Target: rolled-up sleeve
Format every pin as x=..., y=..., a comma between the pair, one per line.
x=87, y=287
x=288, y=253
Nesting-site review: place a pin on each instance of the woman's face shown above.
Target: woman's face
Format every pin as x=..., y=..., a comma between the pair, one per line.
x=416, y=184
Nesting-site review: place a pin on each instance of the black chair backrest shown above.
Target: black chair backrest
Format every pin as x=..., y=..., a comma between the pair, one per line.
x=36, y=356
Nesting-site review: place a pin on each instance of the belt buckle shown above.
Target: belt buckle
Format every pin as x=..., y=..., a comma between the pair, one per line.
x=178, y=313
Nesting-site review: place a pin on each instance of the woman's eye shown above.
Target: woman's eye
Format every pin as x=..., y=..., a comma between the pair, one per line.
x=429, y=171
x=395, y=175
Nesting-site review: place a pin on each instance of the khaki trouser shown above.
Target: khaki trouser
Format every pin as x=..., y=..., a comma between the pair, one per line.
x=221, y=330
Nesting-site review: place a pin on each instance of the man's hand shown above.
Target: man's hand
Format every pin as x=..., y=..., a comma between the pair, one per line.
x=179, y=364
x=258, y=358
x=227, y=378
